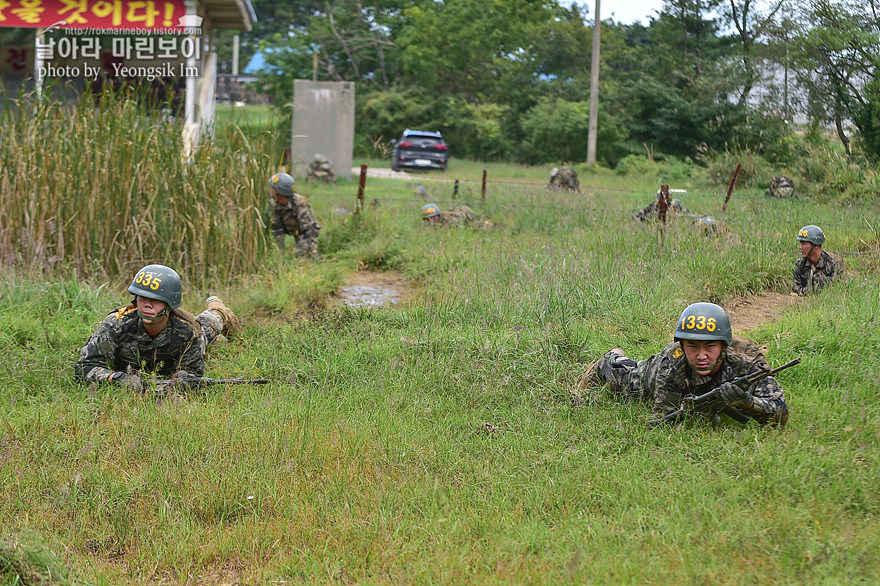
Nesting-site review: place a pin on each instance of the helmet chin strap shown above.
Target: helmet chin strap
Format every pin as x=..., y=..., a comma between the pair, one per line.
x=151, y=320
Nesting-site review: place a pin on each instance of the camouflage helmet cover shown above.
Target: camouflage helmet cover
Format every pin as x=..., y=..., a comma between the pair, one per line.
x=704, y=321
x=811, y=234
x=430, y=210
x=157, y=282
x=283, y=183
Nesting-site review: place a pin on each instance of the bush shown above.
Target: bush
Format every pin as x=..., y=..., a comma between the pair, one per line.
x=556, y=130
x=718, y=167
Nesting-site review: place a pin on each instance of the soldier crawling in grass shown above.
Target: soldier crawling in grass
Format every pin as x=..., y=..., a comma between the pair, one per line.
x=152, y=336
x=293, y=215
x=704, y=355
x=455, y=217
x=815, y=268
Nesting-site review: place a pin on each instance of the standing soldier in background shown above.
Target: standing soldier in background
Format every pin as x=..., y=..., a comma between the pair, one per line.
x=815, y=268
x=703, y=356
x=293, y=215
x=152, y=335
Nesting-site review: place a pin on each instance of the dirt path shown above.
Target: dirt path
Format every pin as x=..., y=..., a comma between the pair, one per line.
x=374, y=288
x=384, y=173
x=748, y=313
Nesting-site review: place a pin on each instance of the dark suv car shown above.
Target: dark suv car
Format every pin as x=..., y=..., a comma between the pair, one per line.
x=419, y=149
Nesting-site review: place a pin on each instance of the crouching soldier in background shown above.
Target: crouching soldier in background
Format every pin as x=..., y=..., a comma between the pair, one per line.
x=649, y=212
x=704, y=356
x=152, y=336
x=816, y=267
x=293, y=215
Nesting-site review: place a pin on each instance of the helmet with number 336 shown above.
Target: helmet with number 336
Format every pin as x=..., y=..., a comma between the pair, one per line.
x=157, y=282
x=704, y=321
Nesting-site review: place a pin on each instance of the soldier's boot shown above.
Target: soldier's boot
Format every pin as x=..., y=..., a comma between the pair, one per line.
x=591, y=377
x=231, y=323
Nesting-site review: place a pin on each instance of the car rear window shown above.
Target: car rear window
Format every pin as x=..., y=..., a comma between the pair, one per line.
x=423, y=139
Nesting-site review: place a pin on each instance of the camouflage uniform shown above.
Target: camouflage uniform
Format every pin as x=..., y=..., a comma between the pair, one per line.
x=121, y=344
x=649, y=212
x=298, y=219
x=812, y=277
x=564, y=178
x=665, y=378
x=460, y=216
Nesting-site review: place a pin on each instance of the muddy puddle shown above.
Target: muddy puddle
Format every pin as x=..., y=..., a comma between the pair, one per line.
x=371, y=289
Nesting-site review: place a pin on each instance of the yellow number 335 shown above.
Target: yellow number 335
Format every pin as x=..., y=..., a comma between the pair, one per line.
x=148, y=280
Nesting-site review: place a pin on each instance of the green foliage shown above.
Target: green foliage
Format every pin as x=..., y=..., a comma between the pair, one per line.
x=556, y=130
x=867, y=118
x=472, y=131
x=26, y=561
x=717, y=168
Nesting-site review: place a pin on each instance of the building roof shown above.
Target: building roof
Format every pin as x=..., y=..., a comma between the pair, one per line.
x=229, y=14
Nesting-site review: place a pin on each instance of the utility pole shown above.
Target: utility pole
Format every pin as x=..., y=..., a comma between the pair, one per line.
x=594, y=91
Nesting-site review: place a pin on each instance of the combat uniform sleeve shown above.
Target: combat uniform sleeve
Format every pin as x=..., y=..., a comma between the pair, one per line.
x=669, y=384
x=95, y=363
x=836, y=270
x=193, y=361
x=799, y=285
x=278, y=226
x=768, y=402
x=307, y=225
x=833, y=269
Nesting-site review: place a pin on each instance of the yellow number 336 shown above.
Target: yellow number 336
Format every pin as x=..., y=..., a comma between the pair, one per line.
x=699, y=322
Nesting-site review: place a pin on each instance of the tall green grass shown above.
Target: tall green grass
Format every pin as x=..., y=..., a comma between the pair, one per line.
x=102, y=186
x=436, y=442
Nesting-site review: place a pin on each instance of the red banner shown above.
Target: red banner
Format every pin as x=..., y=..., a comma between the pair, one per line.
x=96, y=14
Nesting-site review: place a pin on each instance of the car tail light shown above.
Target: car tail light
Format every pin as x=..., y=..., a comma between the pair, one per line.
x=442, y=147
x=407, y=144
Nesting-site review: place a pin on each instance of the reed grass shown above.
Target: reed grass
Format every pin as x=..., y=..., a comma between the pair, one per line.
x=101, y=185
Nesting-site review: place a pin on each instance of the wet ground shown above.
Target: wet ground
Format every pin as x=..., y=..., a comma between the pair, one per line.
x=368, y=288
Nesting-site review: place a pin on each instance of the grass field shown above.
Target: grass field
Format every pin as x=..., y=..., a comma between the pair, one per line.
x=435, y=442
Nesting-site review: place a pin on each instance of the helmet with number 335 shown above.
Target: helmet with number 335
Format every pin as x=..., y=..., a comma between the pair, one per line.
x=704, y=321
x=157, y=282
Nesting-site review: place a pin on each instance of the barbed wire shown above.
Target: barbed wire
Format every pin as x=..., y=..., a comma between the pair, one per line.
x=607, y=212
x=729, y=216
x=631, y=192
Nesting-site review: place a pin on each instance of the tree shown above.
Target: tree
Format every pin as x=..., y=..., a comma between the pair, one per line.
x=751, y=26
x=837, y=53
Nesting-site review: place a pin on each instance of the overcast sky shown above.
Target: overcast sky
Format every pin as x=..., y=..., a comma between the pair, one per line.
x=624, y=11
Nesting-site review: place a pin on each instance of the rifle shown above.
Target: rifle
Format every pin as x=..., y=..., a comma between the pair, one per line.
x=197, y=383
x=712, y=401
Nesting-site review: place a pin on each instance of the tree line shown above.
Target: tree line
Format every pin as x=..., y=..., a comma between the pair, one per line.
x=509, y=79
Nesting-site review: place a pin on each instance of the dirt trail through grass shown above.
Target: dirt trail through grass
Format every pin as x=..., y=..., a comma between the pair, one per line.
x=749, y=313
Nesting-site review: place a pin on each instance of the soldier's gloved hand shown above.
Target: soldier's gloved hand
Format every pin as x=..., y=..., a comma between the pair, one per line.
x=131, y=381
x=734, y=396
x=184, y=380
